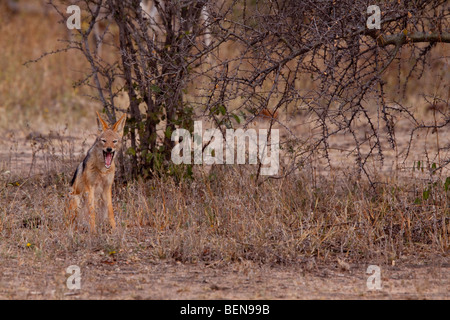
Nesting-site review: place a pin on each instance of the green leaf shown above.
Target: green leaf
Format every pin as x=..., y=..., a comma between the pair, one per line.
x=131, y=151
x=236, y=117
x=426, y=194
x=222, y=109
x=447, y=183
x=168, y=132
x=155, y=88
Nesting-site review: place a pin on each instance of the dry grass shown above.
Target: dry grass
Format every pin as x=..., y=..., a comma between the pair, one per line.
x=223, y=217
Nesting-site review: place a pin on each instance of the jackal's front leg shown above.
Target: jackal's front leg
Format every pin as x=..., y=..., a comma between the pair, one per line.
x=71, y=208
x=91, y=208
x=108, y=198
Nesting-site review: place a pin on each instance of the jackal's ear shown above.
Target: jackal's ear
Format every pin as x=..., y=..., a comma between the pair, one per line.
x=118, y=126
x=102, y=125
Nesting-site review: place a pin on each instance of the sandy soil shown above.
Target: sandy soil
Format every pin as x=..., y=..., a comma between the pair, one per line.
x=103, y=278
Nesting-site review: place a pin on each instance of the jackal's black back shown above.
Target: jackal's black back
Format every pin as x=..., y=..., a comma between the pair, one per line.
x=85, y=160
x=74, y=177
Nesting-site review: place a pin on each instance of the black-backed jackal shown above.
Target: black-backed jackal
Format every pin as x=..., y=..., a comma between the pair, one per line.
x=94, y=176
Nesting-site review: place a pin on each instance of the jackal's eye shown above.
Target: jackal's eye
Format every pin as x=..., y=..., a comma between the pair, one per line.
x=114, y=141
x=103, y=140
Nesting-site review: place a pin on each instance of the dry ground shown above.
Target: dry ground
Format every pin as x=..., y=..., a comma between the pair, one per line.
x=135, y=278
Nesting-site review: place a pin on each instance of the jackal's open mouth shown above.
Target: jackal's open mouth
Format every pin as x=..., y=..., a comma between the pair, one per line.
x=108, y=156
